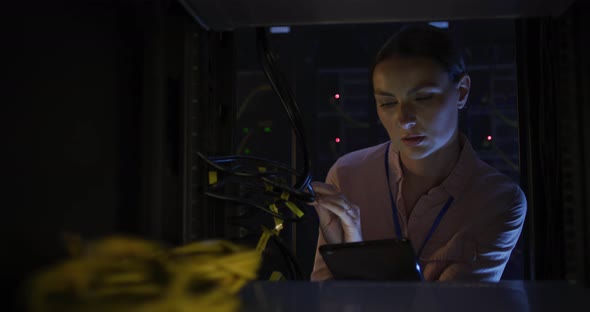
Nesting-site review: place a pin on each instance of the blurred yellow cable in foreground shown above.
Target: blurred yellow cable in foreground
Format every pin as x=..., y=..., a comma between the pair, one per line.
x=126, y=274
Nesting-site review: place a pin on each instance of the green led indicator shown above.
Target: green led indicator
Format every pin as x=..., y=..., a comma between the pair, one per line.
x=246, y=130
x=267, y=129
x=247, y=151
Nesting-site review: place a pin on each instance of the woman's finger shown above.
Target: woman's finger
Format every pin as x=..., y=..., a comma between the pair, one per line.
x=341, y=208
x=321, y=190
x=349, y=218
x=324, y=188
x=340, y=201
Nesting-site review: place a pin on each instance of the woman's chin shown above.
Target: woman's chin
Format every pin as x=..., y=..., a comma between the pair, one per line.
x=416, y=152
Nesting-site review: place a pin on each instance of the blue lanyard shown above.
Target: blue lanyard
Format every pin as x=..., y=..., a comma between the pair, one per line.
x=398, y=229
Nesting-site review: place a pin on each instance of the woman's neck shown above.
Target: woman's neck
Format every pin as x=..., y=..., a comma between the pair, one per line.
x=432, y=170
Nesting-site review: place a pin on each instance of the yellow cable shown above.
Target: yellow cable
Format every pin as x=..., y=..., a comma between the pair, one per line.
x=212, y=177
x=276, y=276
x=285, y=196
x=294, y=209
x=122, y=274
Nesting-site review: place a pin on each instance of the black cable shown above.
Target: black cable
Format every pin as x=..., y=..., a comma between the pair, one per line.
x=223, y=169
x=296, y=267
x=215, y=165
x=266, y=187
x=265, y=181
x=287, y=99
x=244, y=202
x=306, y=197
x=269, y=163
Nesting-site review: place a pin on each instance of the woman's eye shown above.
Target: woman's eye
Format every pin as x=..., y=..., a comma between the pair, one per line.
x=424, y=97
x=388, y=104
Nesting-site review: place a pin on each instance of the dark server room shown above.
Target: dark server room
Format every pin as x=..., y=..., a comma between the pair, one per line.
x=320, y=155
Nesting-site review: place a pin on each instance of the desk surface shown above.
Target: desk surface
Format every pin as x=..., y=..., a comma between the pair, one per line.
x=338, y=296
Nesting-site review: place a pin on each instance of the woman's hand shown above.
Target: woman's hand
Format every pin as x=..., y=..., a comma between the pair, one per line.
x=340, y=220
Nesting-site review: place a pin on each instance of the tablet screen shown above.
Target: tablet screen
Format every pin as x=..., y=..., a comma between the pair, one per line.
x=378, y=260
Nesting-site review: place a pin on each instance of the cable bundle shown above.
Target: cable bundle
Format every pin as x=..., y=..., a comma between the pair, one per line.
x=262, y=183
x=125, y=274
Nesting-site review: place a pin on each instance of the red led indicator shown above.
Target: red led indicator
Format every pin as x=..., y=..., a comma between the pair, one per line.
x=336, y=96
x=337, y=140
x=489, y=137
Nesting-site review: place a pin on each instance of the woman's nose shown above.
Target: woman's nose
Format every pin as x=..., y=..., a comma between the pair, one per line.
x=407, y=124
x=407, y=117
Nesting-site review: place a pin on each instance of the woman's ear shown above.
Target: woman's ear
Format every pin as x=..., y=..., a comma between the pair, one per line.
x=463, y=88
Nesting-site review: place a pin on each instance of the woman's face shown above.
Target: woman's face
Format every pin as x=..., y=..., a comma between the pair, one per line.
x=418, y=104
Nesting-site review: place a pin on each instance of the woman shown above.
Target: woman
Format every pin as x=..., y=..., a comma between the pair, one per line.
x=462, y=216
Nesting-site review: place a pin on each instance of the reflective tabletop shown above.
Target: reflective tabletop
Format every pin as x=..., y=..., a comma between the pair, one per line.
x=374, y=296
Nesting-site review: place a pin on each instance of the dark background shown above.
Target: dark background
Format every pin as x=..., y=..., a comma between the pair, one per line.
x=74, y=76
x=105, y=101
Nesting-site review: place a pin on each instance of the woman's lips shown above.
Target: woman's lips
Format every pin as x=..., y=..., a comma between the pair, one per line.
x=413, y=140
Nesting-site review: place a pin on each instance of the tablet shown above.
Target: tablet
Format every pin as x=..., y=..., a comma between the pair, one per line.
x=378, y=260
